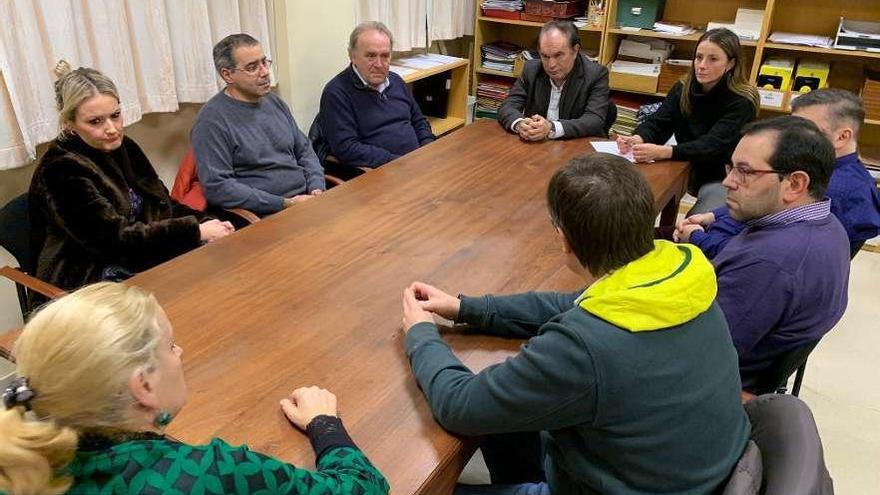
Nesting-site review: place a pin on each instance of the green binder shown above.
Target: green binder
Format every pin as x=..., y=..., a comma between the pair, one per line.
x=639, y=13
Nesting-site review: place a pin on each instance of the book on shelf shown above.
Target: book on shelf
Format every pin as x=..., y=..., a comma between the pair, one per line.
x=491, y=92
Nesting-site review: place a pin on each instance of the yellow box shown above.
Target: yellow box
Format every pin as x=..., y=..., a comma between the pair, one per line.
x=632, y=82
x=776, y=74
x=810, y=75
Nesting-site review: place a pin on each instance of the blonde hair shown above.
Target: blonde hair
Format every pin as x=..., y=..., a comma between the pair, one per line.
x=74, y=86
x=78, y=354
x=736, y=79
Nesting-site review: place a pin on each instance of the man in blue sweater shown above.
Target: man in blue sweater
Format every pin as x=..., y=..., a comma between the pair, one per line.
x=855, y=199
x=627, y=387
x=782, y=281
x=249, y=151
x=368, y=116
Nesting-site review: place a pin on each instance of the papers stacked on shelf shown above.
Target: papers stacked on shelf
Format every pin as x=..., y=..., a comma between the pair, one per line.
x=747, y=24
x=676, y=28
x=644, y=50
x=499, y=55
x=801, y=39
x=508, y=5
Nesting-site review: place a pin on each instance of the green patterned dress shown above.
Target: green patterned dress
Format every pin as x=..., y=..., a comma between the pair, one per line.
x=152, y=464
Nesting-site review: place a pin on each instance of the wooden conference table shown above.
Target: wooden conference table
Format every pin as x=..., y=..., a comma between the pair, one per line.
x=313, y=296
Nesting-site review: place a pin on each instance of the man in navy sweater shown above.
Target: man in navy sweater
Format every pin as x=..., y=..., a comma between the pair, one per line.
x=782, y=281
x=368, y=116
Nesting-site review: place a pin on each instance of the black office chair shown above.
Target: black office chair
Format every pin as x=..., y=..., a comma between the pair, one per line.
x=775, y=378
x=16, y=237
x=335, y=172
x=610, y=117
x=792, y=457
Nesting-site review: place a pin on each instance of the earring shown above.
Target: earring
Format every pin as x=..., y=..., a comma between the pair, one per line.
x=162, y=419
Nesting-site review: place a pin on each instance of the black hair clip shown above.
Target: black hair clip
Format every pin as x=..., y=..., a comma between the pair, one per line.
x=18, y=393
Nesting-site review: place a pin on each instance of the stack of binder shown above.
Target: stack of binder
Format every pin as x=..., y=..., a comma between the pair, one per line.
x=625, y=125
x=490, y=93
x=628, y=105
x=499, y=55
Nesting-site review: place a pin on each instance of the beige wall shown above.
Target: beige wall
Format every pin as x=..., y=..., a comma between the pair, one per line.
x=310, y=48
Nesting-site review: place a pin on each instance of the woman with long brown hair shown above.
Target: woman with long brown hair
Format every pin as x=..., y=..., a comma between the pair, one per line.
x=705, y=111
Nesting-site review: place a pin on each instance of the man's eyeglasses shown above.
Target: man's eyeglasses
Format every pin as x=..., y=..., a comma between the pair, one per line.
x=741, y=175
x=254, y=67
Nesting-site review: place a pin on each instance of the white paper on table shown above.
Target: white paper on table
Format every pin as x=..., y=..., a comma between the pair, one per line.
x=610, y=147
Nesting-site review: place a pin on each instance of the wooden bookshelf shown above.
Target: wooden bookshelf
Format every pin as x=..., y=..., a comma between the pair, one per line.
x=837, y=52
x=492, y=72
x=818, y=17
x=456, y=106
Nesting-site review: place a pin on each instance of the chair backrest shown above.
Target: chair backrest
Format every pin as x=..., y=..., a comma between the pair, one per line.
x=15, y=232
x=747, y=473
x=610, y=116
x=777, y=374
x=791, y=451
x=316, y=136
x=187, y=190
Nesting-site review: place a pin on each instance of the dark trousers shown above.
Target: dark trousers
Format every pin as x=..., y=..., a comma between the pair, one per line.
x=516, y=466
x=514, y=458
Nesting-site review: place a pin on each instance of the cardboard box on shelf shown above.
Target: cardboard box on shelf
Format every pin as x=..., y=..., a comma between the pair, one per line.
x=632, y=82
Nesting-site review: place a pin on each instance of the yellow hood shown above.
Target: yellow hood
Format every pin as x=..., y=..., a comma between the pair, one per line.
x=669, y=286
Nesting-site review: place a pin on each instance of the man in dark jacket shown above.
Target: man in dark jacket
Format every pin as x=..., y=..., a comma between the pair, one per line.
x=631, y=384
x=564, y=95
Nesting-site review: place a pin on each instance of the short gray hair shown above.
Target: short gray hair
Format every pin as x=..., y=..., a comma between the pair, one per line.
x=223, y=58
x=843, y=105
x=368, y=26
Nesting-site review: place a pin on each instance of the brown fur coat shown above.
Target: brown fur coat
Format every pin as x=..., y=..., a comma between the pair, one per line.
x=82, y=219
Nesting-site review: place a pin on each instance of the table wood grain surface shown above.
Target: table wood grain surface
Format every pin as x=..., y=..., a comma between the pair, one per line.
x=312, y=296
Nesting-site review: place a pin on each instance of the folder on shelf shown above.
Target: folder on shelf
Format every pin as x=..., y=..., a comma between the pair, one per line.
x=858, y=35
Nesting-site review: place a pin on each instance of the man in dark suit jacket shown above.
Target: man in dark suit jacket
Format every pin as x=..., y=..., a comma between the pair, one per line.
x=564, y=95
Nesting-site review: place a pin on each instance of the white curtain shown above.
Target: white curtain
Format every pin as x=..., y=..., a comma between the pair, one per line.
x=406, y=19
x=450, y=19
x=417, y=23
x=158, y=52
